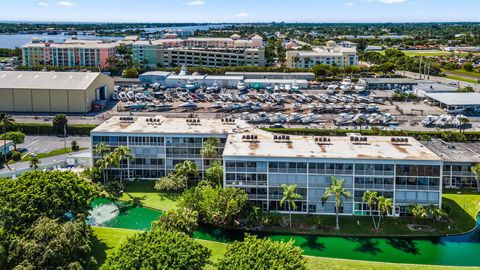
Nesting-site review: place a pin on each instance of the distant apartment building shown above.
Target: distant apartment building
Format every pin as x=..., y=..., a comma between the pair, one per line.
x=72, y=53
x=332, y=54
x=199, y=51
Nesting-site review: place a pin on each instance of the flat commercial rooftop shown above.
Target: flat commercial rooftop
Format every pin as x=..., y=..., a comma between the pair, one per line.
x=47, y=80
x=375, y=148
x=392, y=81
x=140, y=125
x=455, y=151
x=455, y=99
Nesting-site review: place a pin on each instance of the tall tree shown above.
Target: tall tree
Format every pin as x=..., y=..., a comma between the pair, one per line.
x=371, y=198
x=106, y=162
x=210, y=149
x=122, y=152
x=60, y=123
x=187, y=168
x=476, y=171
x=339, y=193
x=385, y=206
x=214, y=174
x=53, y=194
x=255, y=253
x=6, y=121
x=17, y=137
x=50, y=244
x=290, y=195
x=158, y=249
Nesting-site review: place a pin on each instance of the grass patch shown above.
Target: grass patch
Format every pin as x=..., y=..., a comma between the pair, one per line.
x=106, y=240
x=462, y=72
x=462, y=79
x=52, y=153
x=143, y=193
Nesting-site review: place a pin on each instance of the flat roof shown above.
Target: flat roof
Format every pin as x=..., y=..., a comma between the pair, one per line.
x=376, y=148
x=140, y=125
x=453, y=99
x=156, y=73
x=455, y=151
x=300, y=81
x=47, y=80
x=435, y=87
x=271, y=73
x=186, y=77
x=223, y=77
x=392, y=80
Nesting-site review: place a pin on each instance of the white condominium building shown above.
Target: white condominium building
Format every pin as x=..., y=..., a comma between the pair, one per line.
x=331, y=54
x=260, y=162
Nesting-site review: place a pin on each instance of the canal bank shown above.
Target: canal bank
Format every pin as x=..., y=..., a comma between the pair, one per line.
x=461, y=250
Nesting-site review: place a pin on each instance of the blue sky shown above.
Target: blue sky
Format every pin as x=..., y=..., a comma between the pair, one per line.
x=241, y=10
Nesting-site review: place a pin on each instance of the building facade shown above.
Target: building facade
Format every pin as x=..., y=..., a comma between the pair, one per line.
x=260, y=162
x=72, y=53
x=331, y=54
x=209, y=52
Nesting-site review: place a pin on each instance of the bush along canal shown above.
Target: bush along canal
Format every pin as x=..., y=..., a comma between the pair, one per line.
x=460, y=250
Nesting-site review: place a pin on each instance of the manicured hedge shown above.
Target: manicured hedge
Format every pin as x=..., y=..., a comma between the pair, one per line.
x=421, y=135
x=47, y=129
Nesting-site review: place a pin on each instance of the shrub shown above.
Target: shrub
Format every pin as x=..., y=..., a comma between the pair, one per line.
x=75, y=146
x=254, y=253
x=171, y=182
x=16, y=156
x=180, y=220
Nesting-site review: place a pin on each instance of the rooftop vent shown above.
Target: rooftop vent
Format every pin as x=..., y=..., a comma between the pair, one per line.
x=358, y=139
x=249, y=138
x=281, y=138
x=397, y=140
x=322, y=140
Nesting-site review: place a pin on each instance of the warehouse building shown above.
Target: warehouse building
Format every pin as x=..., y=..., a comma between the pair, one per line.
x=309, y=76
x=399, y=84
x=65, y=92
x=260, y=162
x=456, y=103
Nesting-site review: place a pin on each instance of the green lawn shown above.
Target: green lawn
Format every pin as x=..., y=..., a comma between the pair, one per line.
x=144, y=193
x=107, y=240
x=56, y=152
x=413, y=53
x=462, y=79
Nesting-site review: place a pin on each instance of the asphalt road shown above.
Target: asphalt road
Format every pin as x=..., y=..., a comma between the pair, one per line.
x=412, y=75
x=46, y=144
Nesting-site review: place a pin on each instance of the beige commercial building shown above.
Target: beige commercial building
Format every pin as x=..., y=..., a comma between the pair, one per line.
x=332, y=55
x=66, y=92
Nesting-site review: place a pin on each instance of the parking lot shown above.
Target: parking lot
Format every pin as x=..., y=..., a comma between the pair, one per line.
x=46, y=144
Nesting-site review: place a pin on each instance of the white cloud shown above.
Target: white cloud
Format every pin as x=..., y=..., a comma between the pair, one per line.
x=392, y=1
x=65, y=3
x=242, y=14
x=348, y=4
x=195, y=3
x=43, y=4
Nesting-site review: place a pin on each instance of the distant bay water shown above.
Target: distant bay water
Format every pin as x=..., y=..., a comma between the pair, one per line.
x=18, y=40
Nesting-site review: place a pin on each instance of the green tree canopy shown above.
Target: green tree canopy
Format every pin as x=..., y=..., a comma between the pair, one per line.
x=216, y=205
x=60, y=123
x=49, y=244
x=182, y=220
x=52, y=194
x=254, y=253
x=158, y=249
x=17, y=137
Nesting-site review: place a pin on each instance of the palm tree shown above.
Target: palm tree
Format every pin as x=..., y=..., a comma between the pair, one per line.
x=436, y=213
x=215, y=173
x=122, y=152
x=371, y=198
x=290, y=195
x=463, y=122
x=336, y=190
x=104, y=163
x=187, y=168
x=6, y=121
x=34, y=162
x=209, y=150
x=418, y=212
x=385, y=206
x=102, y=148
x=476, y=171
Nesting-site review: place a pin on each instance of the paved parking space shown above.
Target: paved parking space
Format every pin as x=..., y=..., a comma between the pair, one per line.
x=45, y=144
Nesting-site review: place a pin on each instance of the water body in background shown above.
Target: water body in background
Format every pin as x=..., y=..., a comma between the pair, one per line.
x=18, y=40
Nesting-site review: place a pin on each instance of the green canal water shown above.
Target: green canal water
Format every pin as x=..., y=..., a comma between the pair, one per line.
x=463, y=250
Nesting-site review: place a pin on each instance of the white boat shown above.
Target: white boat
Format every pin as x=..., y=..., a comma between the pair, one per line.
x=295, y=87
x=188, y=105
x=216, y=105
x=123, y=96
x=331, y=89
x=214, y=88
x=455, y=110
x=288, y=87
x=361, y=85
x=190, y=86
x=115, y=96
x=241, y=85
x=131, y=95
x=346, y=84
